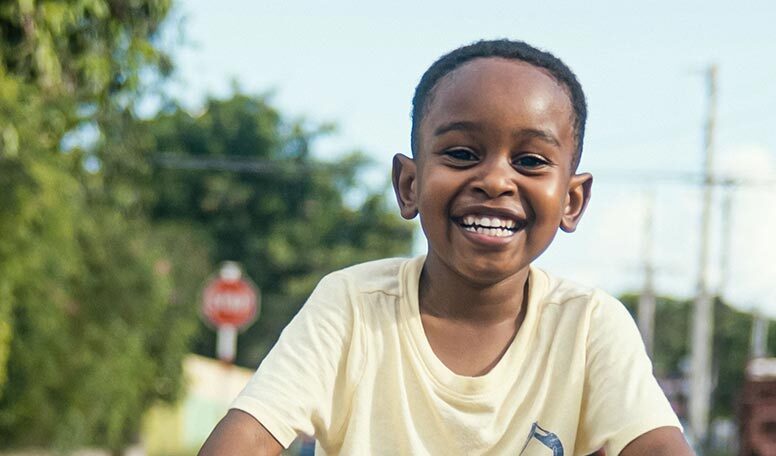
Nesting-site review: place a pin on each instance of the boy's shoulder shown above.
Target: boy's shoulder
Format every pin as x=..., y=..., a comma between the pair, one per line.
x=555, y=290
x=597, y=311
x=383, y=275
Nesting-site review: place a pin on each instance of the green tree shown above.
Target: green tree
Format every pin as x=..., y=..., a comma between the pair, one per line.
x=246, y=176
x=93, y=324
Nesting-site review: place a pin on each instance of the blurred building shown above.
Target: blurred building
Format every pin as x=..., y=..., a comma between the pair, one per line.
x=211, y=385
x=757, y=413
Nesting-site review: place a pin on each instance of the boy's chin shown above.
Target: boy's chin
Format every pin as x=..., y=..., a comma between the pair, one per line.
x=483, y=272
x=485, y=277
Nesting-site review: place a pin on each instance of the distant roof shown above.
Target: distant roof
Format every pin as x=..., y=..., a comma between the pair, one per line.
x=761, y=369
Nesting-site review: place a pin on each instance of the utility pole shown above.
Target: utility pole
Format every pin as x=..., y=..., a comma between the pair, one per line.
x=759, y=342
x=647, y=299
x=727, y=236
x=703, y=312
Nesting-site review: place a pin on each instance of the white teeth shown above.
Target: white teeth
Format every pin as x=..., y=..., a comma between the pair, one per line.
x=488, y=222
x=495, y=232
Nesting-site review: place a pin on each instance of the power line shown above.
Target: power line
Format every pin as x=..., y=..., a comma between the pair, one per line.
x=237, y=164
x=684, y=178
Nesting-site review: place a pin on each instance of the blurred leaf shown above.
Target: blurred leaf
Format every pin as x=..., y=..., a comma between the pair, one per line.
x=90, y=332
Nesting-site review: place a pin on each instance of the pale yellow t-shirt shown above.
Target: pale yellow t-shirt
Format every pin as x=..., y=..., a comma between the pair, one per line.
x=354, y=369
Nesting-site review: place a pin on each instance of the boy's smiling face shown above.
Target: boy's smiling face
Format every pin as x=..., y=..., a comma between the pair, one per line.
x=492, y=179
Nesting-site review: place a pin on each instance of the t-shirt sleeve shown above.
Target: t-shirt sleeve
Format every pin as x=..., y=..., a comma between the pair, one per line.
x=304, y=384
x=622, y=399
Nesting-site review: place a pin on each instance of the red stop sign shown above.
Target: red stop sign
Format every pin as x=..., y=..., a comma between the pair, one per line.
x=230, y=300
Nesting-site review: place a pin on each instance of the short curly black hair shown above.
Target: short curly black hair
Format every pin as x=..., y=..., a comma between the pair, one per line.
x=508, y=49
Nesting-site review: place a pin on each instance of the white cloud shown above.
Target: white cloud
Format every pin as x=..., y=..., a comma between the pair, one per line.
x=752, y=279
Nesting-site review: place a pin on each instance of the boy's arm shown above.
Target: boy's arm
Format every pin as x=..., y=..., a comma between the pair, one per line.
x=624, y=409
x=663, y=441
x=310, y=368
x=239, y=434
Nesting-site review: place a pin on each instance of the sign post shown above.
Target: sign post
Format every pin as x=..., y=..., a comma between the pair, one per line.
x=230, y=302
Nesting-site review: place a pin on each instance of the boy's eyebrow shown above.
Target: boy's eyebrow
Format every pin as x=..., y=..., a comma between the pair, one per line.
x=542, y=135
x=454, y=126
x=523, y=133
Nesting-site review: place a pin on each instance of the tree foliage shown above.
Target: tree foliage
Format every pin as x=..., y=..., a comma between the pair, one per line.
x=85, y=313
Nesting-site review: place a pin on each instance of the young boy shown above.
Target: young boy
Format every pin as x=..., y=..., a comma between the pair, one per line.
x=468, y=349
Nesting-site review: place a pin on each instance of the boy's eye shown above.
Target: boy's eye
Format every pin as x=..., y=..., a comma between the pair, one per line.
x=530, y=161
x=461, y=154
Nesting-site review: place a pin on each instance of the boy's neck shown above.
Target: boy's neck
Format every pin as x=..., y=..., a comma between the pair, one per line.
x=445, y=294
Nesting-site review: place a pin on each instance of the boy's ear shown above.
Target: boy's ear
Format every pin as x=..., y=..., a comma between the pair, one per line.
x=578, y=196
x=404, y=177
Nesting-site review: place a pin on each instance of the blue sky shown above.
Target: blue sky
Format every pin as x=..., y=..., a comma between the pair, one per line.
x=356, y=64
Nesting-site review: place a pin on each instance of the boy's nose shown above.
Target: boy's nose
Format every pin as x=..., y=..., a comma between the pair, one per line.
x=496, y=179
